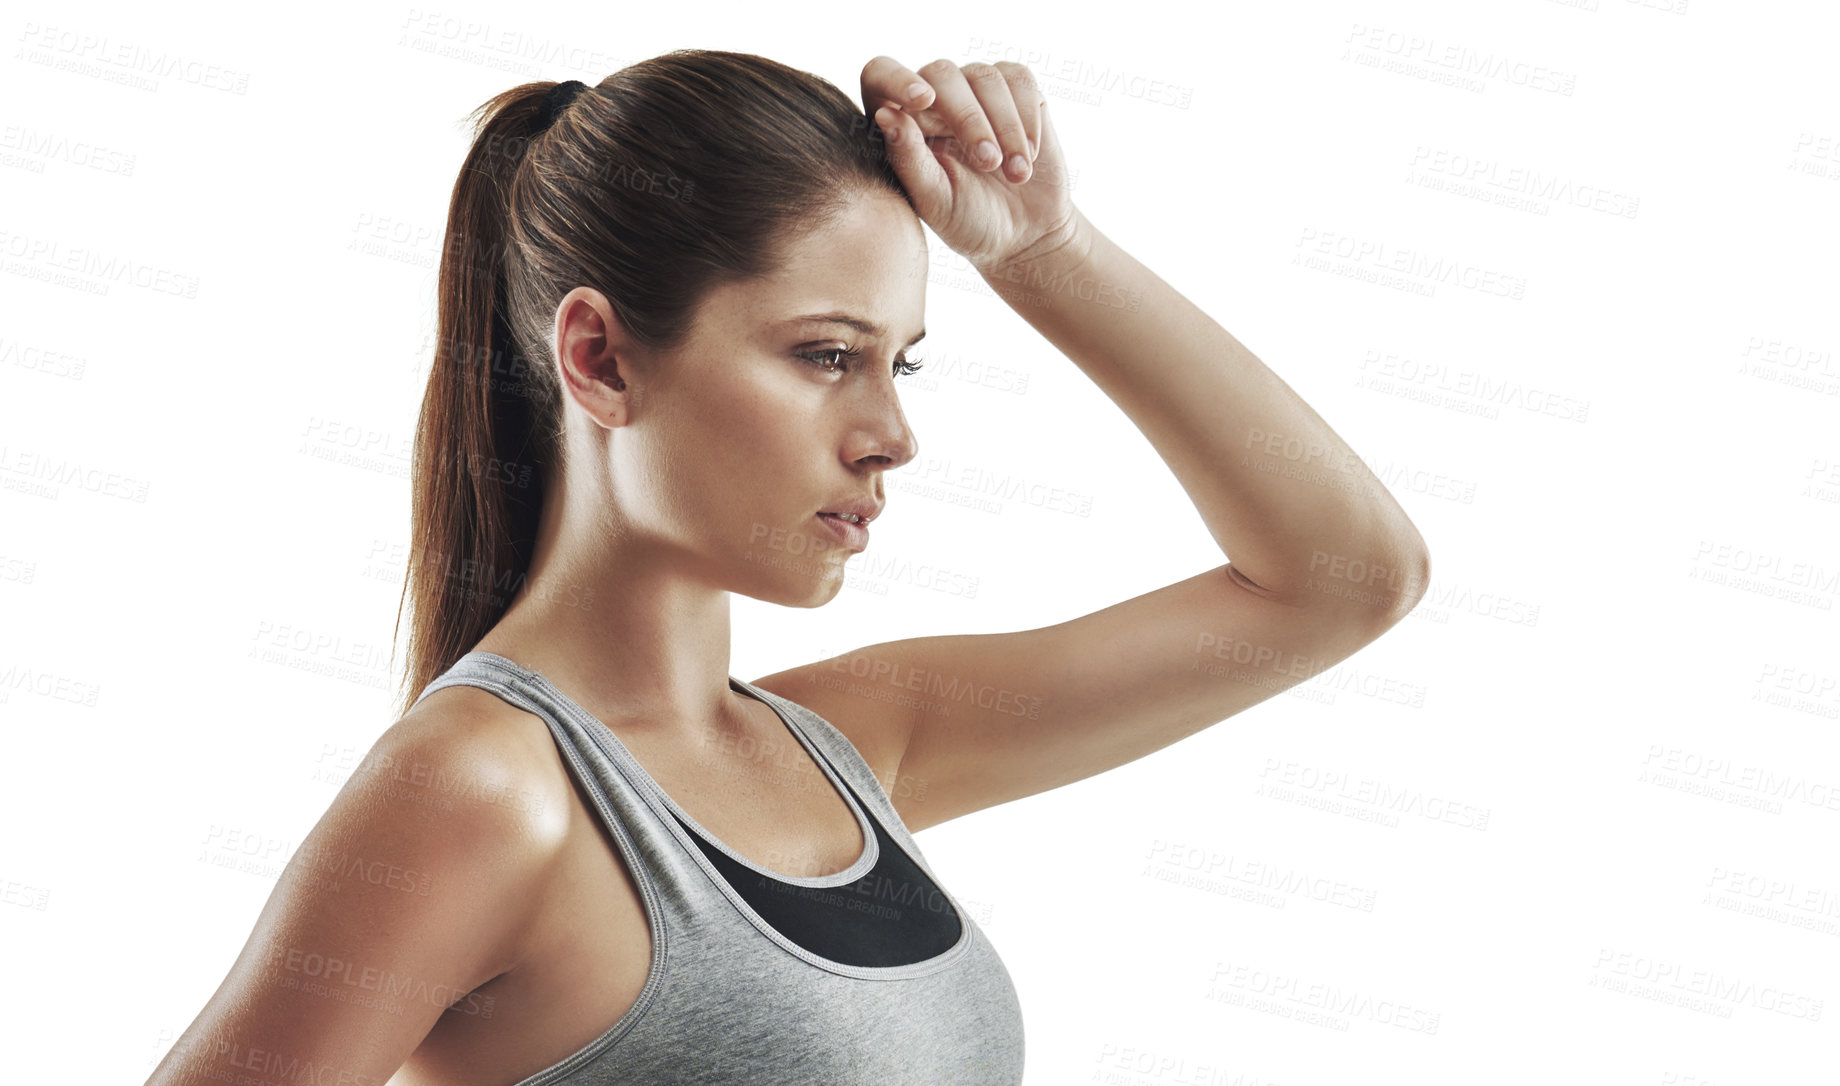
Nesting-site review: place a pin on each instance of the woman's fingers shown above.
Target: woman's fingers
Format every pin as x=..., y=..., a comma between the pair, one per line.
x=992, y=110
x=913, y=162
x=982, y=118
x=886, y=81
x=996, y=91
x=1028, y=96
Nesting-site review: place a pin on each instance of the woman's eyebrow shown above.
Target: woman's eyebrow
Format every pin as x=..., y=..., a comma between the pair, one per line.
x=866, y=327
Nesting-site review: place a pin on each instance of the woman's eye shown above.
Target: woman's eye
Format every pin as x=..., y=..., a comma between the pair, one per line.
x=816, y=358
x=835, y=360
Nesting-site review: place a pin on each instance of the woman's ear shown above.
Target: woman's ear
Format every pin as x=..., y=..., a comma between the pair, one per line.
x=593, y=356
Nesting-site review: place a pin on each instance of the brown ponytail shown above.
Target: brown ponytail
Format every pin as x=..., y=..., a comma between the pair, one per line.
x=674, y=175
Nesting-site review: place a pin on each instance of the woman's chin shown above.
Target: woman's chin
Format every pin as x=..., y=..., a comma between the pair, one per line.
x=795, y=580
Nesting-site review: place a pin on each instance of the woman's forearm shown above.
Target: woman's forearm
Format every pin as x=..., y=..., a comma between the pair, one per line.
x=1295, y=510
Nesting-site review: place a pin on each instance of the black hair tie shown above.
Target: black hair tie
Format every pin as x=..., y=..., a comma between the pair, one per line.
x=557, y=100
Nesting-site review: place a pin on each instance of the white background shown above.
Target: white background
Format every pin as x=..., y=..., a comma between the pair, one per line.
x=1587, y=793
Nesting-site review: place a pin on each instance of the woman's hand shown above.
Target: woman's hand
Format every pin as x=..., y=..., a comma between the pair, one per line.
x=1012, y=204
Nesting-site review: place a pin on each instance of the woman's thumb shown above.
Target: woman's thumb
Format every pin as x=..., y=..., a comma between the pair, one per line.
x=912, y=159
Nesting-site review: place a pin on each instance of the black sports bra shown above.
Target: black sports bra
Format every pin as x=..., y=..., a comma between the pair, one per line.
x=894, y=915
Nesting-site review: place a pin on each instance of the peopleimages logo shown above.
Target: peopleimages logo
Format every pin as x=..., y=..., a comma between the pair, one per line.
x=349, y=982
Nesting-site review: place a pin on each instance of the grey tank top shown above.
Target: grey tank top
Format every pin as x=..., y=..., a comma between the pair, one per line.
x=733, y=997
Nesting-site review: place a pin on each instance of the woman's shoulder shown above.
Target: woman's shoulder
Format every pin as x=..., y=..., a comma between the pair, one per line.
x=467, y=752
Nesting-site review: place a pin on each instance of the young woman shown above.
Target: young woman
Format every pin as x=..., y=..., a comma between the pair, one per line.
x=674, y=314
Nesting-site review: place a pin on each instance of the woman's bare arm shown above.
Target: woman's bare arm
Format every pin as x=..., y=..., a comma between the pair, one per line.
x=407, y=895
x=1322, y=558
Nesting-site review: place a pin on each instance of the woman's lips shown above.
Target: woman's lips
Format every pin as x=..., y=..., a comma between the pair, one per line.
x=851, y=534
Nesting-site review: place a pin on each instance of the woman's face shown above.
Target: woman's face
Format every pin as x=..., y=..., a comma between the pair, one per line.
x=736, y=441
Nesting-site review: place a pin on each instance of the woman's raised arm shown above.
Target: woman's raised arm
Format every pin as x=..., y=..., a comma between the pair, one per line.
x=1322, y=559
